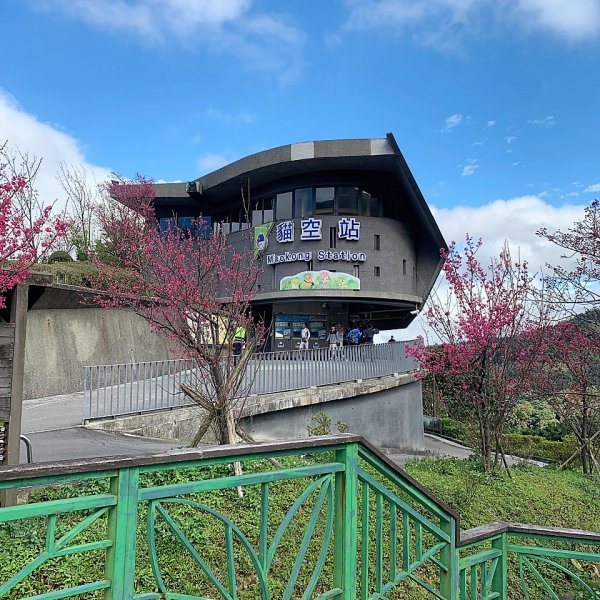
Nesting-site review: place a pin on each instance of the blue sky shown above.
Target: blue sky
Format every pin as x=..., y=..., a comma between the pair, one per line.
x=494, y=103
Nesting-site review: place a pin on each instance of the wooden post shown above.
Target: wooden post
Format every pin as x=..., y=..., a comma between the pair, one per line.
x=18, y=318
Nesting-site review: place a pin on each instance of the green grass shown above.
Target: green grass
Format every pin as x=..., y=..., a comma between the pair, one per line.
x=70, y=273
x=541, y=496
x=534, y=495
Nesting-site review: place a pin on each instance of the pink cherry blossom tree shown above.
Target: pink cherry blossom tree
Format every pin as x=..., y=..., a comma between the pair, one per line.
x=568, y=376
x=190, y=285
x=489, y=331
x=22, y=240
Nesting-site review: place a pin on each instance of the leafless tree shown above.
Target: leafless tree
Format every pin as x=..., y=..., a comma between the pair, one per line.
x=83, y=197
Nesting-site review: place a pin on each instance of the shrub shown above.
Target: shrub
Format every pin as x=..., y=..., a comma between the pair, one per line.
x=535, y=446
x=455, y=429
x=60, y=256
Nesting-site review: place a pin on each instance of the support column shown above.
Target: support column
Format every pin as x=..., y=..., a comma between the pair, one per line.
x=18, y=317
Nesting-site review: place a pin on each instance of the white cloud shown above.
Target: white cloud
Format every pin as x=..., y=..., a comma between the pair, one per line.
x=545, y=123
x=593, y=188
x=510, y=139
x=469, y=168
x=444, y=23
x=491, y=123
x=515, y=221
x=263, y=42
x=575, y=20
x=451, y=122
x=30, y=135
x=211, y=161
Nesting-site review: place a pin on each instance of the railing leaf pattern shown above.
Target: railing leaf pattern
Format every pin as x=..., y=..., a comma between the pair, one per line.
x=55, y=548
x=525, y=563
x=379, y=538
x=262, y=560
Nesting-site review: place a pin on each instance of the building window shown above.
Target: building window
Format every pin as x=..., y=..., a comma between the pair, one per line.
x=324, y=200
x=377, y=272
x=356, y=271
x=303, y=204
x=377, y=242
x=332, y=236
x=347, y=201
x=263, y=211
x=284, y=206
x=188, y=227
x=369, y=205
x=404, y=267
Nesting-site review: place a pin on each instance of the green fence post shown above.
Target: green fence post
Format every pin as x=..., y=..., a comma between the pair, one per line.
x=122, y=527
x=499, y=581
x=449, y=557
x=346, y=522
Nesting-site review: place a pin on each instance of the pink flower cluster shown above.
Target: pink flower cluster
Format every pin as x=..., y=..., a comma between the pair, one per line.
x=17, y=250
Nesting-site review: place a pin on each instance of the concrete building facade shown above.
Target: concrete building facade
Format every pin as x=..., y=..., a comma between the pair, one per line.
x=341, y=227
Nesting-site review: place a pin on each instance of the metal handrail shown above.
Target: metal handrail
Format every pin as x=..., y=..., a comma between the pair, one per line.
x=375, y=525
x=29, y=447
x=121, y=389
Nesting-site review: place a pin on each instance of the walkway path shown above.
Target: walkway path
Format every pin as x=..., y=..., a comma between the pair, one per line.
x=53, y=425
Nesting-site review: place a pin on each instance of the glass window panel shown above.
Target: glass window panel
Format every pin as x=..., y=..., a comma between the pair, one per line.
x=284, y=206
x=347, y=201
x=303, y=203
x=369, y=205
x=166, y=224
x=257, y=217
x=324, y=200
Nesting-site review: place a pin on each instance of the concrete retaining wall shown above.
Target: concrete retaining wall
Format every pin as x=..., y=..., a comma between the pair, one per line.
x=60, y=341
x=387, y=411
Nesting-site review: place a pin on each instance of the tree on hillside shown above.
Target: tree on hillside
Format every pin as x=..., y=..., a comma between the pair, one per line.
x=190, y=285
x=489, y=330
x=23, y=240
x=581, y=242
x=27, y=205
x=83, y=200
x=569, y=377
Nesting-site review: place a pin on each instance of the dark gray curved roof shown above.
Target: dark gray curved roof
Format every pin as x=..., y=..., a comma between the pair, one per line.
x=374, y=154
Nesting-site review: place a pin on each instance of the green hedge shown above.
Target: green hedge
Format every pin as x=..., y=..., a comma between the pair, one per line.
x=537, y=446
x=69, y=273
x=528, y=446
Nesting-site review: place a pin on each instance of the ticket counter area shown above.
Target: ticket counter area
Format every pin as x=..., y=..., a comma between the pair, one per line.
x=288, y=327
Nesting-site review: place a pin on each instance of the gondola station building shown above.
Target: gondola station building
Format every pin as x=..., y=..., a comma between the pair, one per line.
x=341, y=226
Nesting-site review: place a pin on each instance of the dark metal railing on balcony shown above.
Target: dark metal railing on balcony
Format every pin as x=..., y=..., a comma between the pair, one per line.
x=112, y=390
x=322, y=518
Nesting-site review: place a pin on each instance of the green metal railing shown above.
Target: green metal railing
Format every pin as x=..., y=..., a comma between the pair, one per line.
x=325, y=518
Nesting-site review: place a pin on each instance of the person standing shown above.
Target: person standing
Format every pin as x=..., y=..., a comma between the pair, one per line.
x=354, y=336
x=333, y=340
x=304, y=338
x=367, y=334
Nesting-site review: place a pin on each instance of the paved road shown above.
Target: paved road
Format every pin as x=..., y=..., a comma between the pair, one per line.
x=79, y=442
x=53, y=425
x=54, y=412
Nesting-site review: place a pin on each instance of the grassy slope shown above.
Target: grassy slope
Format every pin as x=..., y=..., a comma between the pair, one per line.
x=542, y=496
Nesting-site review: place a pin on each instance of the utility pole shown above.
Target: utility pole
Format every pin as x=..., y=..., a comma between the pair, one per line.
x=12, y=370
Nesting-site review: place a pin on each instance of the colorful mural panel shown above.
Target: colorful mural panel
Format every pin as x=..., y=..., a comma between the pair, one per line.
x=320, y=280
